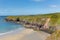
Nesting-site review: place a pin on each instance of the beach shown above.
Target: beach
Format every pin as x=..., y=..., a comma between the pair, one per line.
x=25, y=34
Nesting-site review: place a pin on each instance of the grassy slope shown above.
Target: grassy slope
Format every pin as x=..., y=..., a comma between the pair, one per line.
x=54, y=36
x=55, y=18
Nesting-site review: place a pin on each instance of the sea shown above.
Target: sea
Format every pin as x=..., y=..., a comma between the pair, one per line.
x=8, y=26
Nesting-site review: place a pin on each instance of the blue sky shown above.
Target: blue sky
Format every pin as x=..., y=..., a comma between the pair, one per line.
x=28, y=7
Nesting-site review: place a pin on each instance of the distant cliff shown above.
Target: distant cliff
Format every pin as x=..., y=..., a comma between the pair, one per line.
x=40, y=19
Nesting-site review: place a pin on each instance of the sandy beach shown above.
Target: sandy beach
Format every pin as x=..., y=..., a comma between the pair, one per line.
x=26, y=34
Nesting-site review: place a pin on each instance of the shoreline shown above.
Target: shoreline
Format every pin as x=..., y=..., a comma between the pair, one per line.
x=12, y=31
x=26, y=34
x=13, y=35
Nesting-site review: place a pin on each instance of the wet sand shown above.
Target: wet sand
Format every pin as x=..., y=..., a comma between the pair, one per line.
x=26, y=34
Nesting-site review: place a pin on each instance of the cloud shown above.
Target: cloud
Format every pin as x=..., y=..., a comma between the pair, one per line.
x=54, y=6
x=8, y=11
x=37, y=0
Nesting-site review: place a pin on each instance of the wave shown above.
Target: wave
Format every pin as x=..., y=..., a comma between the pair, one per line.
x=12, y=31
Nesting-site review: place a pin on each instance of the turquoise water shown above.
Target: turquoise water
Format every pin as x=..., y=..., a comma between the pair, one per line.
x=7, y=26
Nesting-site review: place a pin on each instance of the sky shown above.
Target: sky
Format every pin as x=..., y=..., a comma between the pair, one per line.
x=28, y=7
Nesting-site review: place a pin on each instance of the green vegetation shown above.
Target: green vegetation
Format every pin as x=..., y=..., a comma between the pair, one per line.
x=54, y=36
x=55, y=18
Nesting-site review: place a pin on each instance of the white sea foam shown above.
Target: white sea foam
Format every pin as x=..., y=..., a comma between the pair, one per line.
x=12, y=31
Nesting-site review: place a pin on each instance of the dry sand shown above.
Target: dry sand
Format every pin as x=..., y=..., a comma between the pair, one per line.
x=26, y=34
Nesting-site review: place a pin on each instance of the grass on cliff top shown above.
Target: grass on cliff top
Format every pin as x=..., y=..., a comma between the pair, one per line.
x=55, y=18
